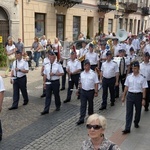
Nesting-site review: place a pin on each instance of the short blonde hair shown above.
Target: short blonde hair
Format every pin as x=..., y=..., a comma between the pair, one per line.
x=100, y=118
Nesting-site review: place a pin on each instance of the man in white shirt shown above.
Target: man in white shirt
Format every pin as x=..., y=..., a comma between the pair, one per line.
x=135, y=88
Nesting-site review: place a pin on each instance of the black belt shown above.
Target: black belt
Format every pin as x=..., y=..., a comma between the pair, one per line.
x=135, y=93
x=88, y=90
x=109, y=78
x=52, y=80
x=20, y=77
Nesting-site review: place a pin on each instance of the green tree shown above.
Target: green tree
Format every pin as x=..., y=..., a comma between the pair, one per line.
x=3, y=56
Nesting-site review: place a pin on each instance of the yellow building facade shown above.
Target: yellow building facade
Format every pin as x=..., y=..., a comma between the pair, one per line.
x=29, y=18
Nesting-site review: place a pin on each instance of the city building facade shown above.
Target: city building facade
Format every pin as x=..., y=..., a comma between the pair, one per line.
x=66, y=19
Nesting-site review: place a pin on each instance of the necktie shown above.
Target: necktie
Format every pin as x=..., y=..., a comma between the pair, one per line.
x=16, y=67
x=50, y=70
x=122, y=66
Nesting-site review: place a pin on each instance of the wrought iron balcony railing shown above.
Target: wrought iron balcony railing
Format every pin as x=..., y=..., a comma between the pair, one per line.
x=131, y=7
x=67, y=3
x=146, y=11
x=106, y=5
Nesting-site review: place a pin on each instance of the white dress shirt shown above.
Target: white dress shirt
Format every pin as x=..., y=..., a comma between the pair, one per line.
x=109, y=69
x=103, y=54
x=116, y=49
x=83, y=51
x=145, y=70
x=88, y=80
x=55, y=68
x=92, y=57
x=136, y=84
x=147, y=48
x=46, y=61
x=2, y=88
x=22, y=65
x=73, y=65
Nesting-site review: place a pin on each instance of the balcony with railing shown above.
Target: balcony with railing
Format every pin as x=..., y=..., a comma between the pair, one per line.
x=131, y=7
x=106, y=5
x=146, y=11
x=67, y=3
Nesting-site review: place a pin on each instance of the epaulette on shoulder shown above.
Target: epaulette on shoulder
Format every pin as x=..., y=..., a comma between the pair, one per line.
x=46, y=63
x=114, y=61
x=142, y=75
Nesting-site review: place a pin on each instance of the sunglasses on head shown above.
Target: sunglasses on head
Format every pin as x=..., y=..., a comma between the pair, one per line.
x=95, y=127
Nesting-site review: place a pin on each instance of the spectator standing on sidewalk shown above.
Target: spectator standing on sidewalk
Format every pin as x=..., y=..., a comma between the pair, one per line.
x=2, y=89
x=20, y=45
x=89, y=89
x=73, y=69
x=96, y=126
x=19, y=80
x=135, y=88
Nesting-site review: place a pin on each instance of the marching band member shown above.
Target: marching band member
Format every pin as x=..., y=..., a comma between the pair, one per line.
x=103, y=52
x=116, y=47
x=145, y=70
x=92, y=57
x=124, y=69
x=135, y=87
x=147, y=47
x=109, y=79
x=45, y=62
x=19, y=80
x=52, y=73
x=128, y=46
x=73, y=69
x=89, y=89
x=82, y=53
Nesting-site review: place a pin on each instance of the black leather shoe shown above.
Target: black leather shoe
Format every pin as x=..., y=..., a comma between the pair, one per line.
x=43, y=95
x=126, y=131
x=112, y=104
x=146, y=109
x=102, y=108
x=11, y=108
x=66, y=101
x=80, y=122
x=44, y=112
x=25, y=103
x=136, y=125
x=62, y=89
x=57, y=109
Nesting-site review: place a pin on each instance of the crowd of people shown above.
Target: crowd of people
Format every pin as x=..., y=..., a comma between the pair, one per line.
x=97, y=64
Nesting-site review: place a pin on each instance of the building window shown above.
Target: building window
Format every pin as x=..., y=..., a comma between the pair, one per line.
x=110, y=25
x=76, y=27
x=39, y=24
x=126, y=24
x=120, y=23
x=60, y=27
x=131, y=25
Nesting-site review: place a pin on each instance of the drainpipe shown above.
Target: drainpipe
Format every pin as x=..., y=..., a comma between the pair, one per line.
x=22, y=21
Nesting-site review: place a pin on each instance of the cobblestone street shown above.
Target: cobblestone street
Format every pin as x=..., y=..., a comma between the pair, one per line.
x=26, y=129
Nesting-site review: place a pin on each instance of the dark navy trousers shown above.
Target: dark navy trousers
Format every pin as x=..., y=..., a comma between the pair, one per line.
x=19, y=84
x=133, y=99
x=52, y=88
x=86, y=96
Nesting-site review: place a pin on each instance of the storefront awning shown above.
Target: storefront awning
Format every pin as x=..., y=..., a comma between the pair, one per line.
x=67, y=3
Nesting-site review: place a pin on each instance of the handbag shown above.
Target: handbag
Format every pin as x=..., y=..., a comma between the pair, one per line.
x=11, y=57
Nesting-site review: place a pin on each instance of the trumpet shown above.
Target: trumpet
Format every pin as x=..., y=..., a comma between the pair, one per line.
x=82, y=58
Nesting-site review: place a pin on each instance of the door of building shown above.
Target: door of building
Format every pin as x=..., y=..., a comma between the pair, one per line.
x=4, y=25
